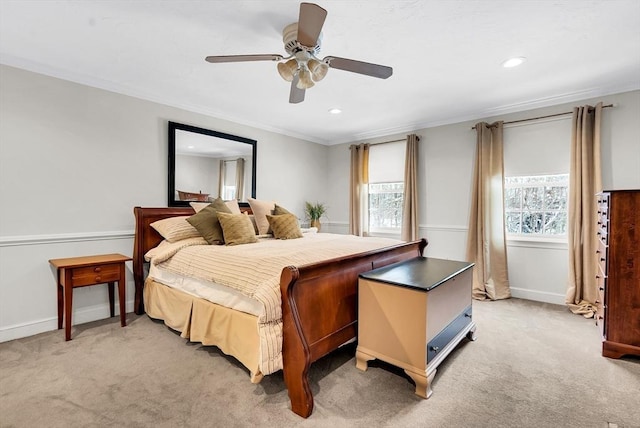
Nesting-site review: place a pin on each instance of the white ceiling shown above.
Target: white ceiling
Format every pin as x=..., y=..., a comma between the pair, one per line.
x=446, y=57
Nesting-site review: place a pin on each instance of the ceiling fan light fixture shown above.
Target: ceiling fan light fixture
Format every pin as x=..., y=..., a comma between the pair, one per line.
x=318, y=69
x=304, y=79
x=288, y=69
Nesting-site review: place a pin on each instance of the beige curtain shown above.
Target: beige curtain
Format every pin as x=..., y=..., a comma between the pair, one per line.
x=409, y=231
x=221, y=175
x=585, y=180
x=486, y=244
x=240, y=179
x=358, y=191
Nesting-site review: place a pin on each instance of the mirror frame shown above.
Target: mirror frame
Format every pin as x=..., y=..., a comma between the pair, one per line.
x=173, y=126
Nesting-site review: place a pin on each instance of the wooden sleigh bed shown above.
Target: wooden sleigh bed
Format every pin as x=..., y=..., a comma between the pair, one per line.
x=319, y=300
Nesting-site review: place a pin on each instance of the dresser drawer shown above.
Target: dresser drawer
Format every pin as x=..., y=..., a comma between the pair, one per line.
x=95, y=274
x=602, y=255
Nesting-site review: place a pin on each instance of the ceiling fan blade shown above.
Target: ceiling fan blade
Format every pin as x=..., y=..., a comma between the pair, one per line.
x=366, y=68
x=243, y=58
x=310, y=22
x=296, y=95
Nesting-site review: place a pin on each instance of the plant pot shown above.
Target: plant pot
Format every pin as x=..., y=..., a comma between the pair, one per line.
x=315, y=223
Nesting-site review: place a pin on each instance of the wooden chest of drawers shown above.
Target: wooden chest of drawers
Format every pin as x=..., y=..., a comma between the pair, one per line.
x=618, y=273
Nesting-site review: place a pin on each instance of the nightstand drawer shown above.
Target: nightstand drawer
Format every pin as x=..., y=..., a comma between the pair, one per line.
x=95, y=274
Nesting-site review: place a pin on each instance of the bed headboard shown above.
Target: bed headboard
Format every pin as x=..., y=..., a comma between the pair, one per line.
x=146, y=238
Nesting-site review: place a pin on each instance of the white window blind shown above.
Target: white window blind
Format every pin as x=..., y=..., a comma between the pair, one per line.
x=537, y=148
x=386, y=162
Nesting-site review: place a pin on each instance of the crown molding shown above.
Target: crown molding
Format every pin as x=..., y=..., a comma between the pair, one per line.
x=495, y=111
x=126, y=90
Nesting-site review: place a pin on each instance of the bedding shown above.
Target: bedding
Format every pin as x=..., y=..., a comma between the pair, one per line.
x=252, y=271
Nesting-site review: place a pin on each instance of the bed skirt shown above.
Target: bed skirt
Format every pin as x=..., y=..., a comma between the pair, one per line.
x=208, y=323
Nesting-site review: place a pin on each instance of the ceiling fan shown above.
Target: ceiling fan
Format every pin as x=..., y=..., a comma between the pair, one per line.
x=302, y=41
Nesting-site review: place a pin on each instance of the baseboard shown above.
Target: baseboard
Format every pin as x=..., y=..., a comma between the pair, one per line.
x=80, y=316
x=538, y=296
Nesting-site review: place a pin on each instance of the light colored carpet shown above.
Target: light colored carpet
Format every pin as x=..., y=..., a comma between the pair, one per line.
x=533, y=365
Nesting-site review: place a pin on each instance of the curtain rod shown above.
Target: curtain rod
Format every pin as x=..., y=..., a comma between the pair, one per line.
x=544, y=117
x=387, y=142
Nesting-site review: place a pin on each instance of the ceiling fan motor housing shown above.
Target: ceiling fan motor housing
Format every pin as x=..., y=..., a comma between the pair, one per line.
x=292, y=45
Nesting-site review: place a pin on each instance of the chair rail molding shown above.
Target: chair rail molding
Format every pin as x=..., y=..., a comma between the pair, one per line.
x=10, y=241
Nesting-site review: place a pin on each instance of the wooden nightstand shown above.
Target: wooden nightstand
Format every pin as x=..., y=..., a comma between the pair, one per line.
x=84, y=271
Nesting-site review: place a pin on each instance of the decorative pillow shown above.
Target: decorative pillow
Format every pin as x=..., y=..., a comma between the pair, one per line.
x=206, y=221
x=253, y=221
x=175, y=228
x=260, y=210
x=199, y=206
x=278, y=210
x=232, y=205
x=285, y=226
x=237, y=229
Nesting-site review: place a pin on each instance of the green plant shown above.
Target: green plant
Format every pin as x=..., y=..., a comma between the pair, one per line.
x=314, y=211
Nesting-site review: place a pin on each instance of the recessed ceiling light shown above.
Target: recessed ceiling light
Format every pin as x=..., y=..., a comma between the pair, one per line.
x=335, y=110
x=191, y=147
x=514, y=62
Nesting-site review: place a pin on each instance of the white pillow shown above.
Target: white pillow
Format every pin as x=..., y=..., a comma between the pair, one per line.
x=175, y=228
x=260, y=211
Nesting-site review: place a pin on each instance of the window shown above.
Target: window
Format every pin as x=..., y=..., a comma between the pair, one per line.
x=385, y=205
x=386, y=187
x=536, y=205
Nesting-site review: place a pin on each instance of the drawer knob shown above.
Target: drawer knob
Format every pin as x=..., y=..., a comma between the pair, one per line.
x=435, y=349
x=98, y=269
x=98, y=278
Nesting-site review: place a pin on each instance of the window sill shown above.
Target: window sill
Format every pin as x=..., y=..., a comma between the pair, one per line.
x=385, y=234
x=537, y=242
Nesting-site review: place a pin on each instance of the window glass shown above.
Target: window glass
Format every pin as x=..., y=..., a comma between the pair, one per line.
x=536, y=205
x=385, y=205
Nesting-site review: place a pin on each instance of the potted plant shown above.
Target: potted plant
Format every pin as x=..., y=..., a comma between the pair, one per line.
x=313, y=213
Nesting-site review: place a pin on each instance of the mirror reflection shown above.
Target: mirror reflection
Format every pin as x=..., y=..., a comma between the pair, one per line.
x=206, y=164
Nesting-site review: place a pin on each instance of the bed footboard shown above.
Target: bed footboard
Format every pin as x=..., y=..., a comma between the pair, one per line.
x=319, y=312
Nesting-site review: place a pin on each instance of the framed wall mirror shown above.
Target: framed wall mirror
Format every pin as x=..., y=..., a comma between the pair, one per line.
x=206, y=164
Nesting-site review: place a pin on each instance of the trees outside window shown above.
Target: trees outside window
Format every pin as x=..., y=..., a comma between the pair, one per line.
x=536, y=205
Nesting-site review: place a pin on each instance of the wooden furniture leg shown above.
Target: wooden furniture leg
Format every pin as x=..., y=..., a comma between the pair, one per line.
x=121, y=297
x=68, y=302
x=423, y=383
x=362, y=360
x=111, y=299
x=296, y=377
x=60, y=305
